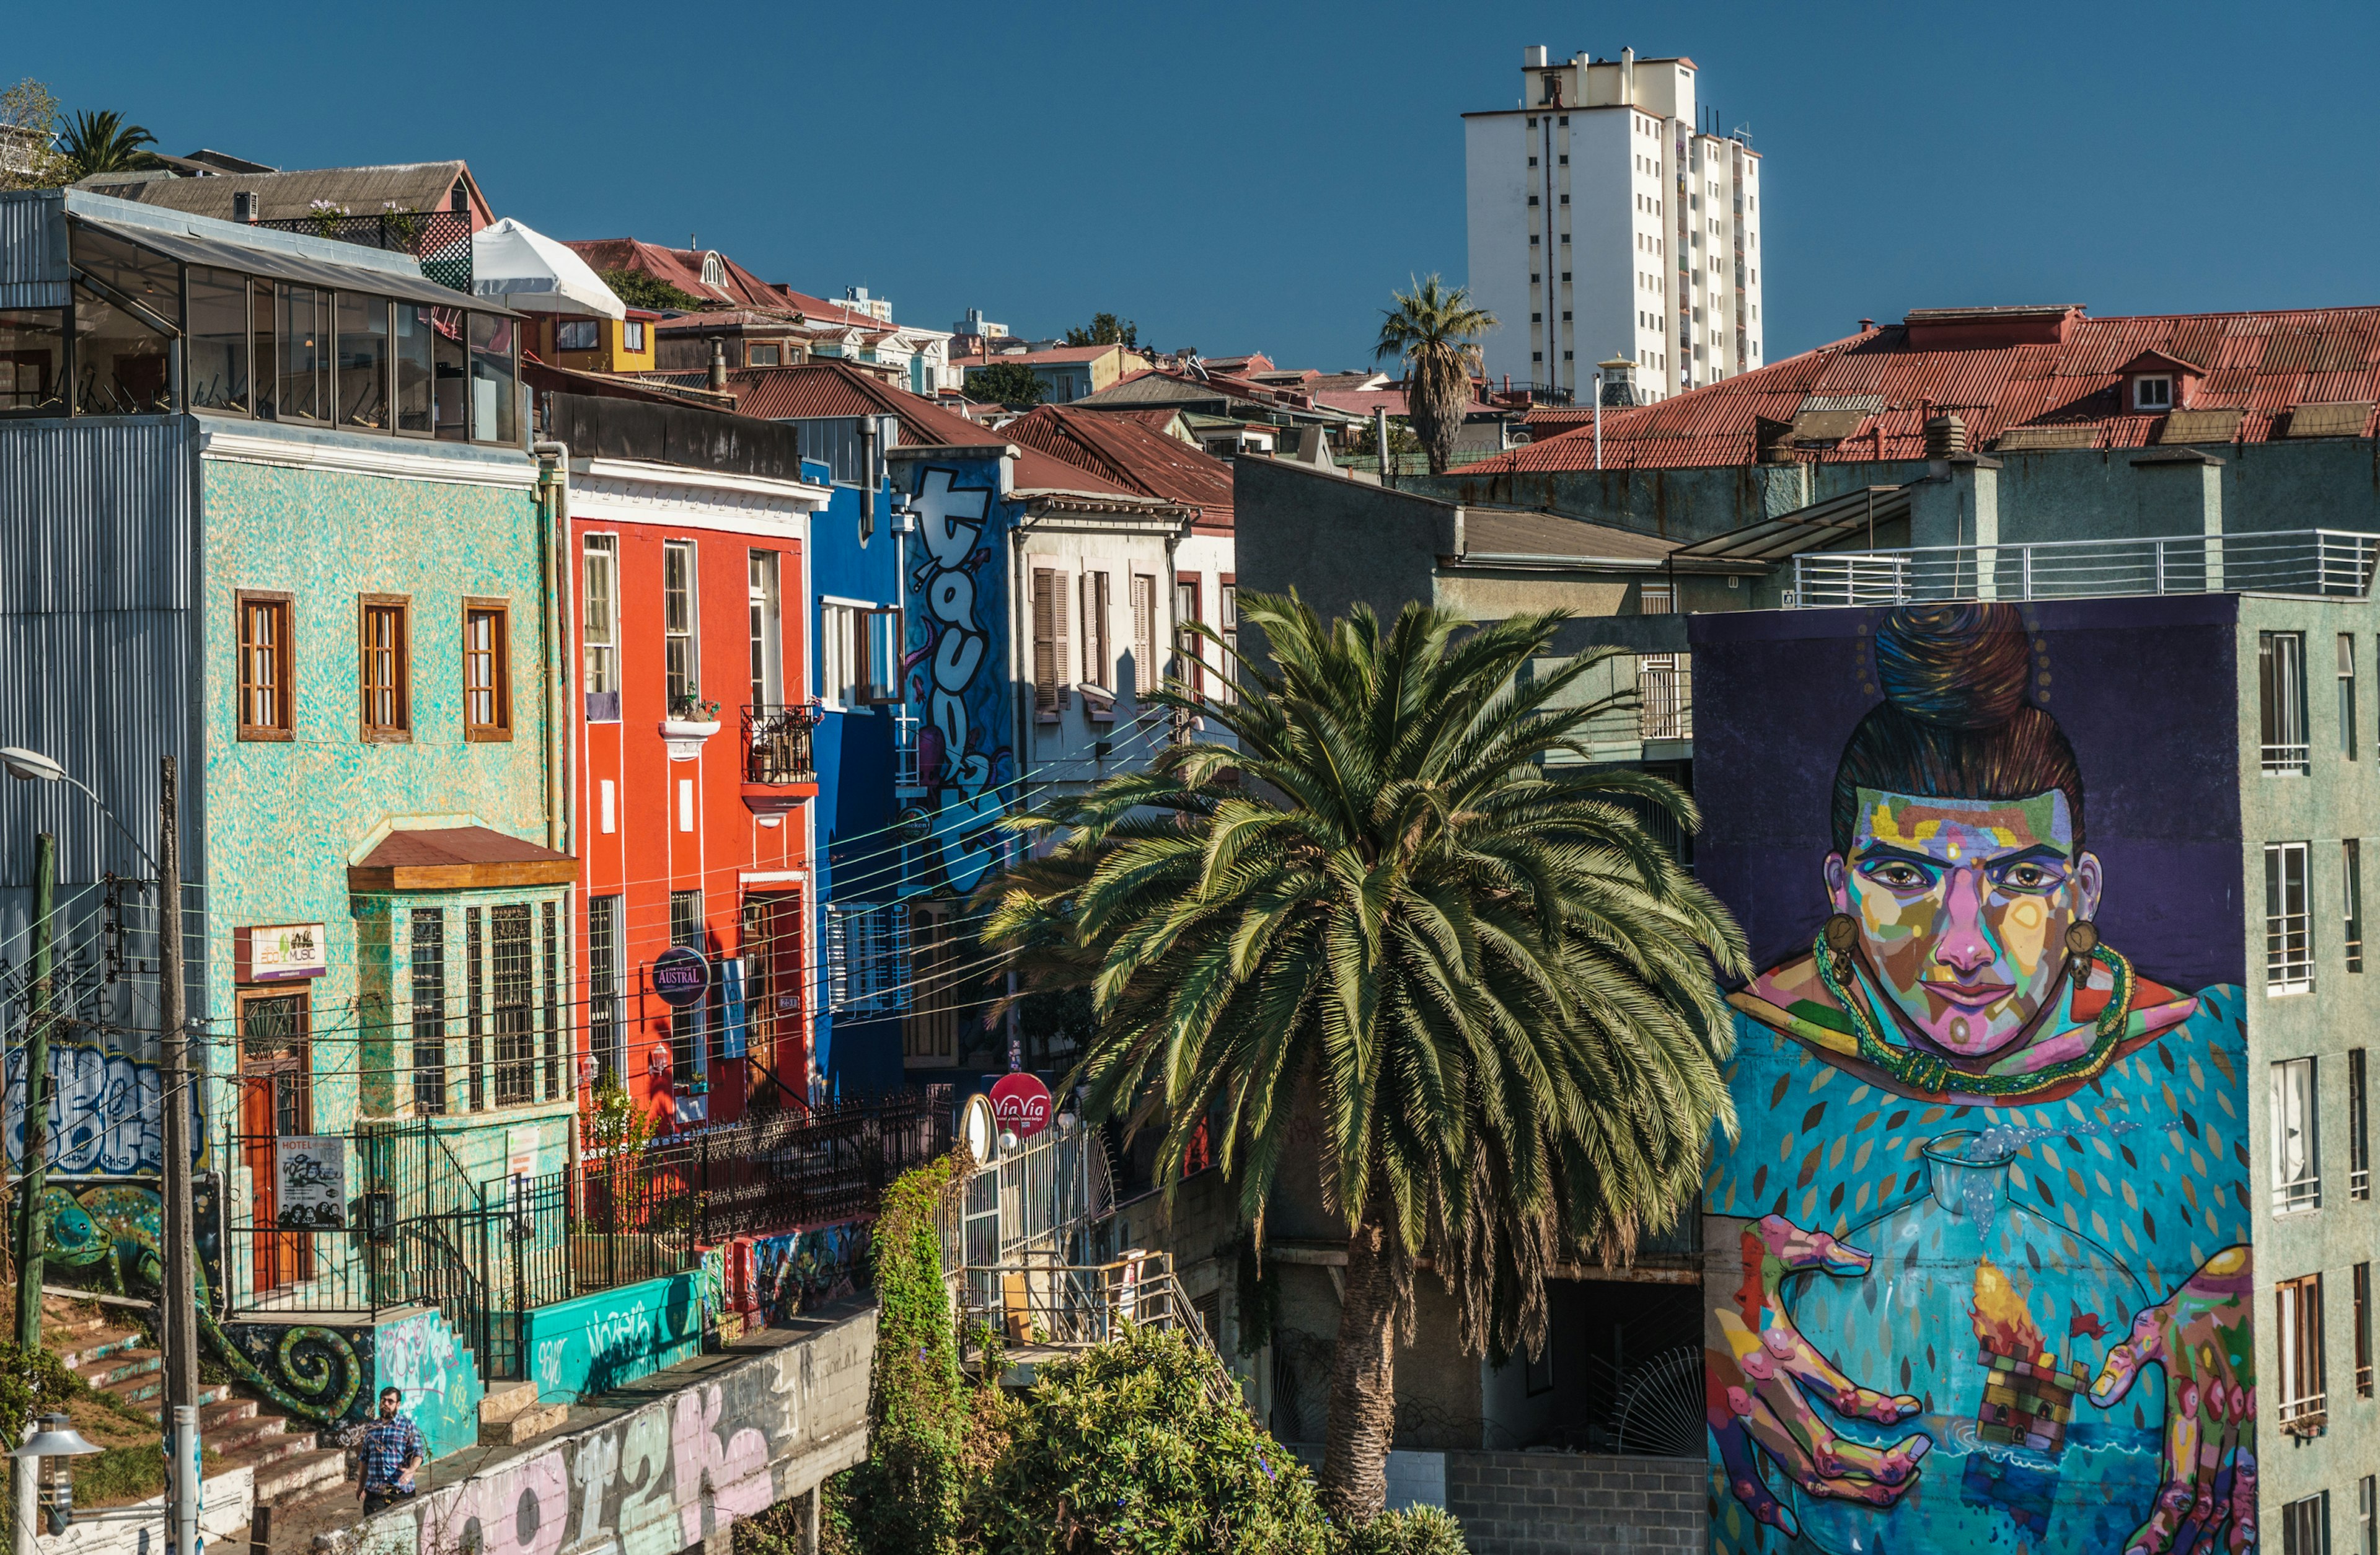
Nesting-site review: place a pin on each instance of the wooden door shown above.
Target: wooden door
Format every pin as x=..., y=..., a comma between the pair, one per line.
x=774, y=985
x=275, y=1099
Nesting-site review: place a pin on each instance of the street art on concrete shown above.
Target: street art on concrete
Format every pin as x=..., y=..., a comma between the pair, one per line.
x=807, y=1270
x=661, y=1477
x=106, y=1116
x=957, y=666
x=420, y=1354
x=595, y=1343
x=1989, y=1192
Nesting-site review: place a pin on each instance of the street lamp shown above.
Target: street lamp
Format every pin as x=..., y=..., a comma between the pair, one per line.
x=54, y=1450
x=32, y=766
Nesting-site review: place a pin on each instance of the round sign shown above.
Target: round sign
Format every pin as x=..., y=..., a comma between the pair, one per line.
x=681, y=976
x=1021, y=1103
x=978, y=1129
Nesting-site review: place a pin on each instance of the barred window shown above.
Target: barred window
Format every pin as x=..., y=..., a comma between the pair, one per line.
x=603, y=1033
x=475, y=1001
x=429, y=1010
x=866, y=956
x=549, y=961
x=516, y=1043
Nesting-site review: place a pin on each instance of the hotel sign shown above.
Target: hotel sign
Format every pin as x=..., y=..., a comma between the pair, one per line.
x=279, y=951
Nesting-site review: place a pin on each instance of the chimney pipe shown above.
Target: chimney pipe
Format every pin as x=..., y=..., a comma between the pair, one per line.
x=718, y=363
x=1628, y=76
x=867, y=477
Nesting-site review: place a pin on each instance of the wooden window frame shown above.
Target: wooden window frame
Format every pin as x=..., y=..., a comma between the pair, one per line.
x=385, y=734
x=501, y=653
x=1052, y=691
x=284, y=663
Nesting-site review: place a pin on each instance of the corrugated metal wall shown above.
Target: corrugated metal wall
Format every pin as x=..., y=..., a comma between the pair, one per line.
x=99, y=634
x=33, y=250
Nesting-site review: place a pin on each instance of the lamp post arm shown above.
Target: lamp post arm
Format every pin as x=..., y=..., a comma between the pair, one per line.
x=109, y=816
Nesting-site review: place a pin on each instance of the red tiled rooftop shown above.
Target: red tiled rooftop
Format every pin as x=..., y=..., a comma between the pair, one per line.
x=2063, y=373
x=833, y=388
x=1124, y=449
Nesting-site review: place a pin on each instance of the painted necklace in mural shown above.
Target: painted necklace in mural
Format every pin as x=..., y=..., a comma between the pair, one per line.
x=1930, y=1074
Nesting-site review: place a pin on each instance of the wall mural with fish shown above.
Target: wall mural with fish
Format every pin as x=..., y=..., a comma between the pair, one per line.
x=1979, y=1276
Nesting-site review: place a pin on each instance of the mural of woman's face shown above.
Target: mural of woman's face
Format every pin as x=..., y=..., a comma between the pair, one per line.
x=1963, y=906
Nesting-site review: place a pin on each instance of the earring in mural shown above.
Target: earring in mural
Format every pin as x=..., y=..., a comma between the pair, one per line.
x=1840, y=935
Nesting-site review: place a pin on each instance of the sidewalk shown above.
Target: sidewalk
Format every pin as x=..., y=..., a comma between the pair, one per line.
x=701, y=1444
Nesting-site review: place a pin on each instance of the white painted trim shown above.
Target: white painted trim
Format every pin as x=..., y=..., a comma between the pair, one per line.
x=391, y=458
x=773, y=877
x=698, y=479
x=854, y=604
x=757, y=516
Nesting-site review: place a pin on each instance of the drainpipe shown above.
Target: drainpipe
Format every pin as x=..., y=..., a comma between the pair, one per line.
x=1380, y=432
x=1599, y=417
x=554, y=581
x=867, y=479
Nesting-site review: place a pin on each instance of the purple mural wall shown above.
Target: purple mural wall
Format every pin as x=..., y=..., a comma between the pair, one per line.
x=1979, y=1277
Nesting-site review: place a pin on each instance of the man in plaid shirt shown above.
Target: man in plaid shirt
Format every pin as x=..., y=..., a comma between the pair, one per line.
x=393, y=1449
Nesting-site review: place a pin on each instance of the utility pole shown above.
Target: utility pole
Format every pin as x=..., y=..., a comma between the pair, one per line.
x=180, y=1321
x=35, y=1161
x=36, y=1156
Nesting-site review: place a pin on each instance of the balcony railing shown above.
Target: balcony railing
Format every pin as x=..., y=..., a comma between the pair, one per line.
x=2305, y=1416
x=1665, y=708
x=777, y=744
x=2332, y=563
x=440, y=240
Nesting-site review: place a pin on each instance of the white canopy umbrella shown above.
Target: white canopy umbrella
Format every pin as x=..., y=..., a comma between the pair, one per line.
x=529, y=273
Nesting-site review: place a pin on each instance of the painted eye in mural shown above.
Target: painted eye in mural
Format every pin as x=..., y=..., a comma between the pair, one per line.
x=2031, y=876
x=1898, y=874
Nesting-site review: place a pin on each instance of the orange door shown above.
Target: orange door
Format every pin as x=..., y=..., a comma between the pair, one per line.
x=275, y=1099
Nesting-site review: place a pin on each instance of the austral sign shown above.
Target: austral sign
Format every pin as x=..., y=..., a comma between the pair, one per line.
x=681, y=976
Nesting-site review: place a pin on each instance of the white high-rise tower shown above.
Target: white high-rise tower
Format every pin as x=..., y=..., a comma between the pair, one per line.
x=1605, y=221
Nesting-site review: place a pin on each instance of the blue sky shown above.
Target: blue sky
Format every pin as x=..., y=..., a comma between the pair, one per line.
x=1241, y=177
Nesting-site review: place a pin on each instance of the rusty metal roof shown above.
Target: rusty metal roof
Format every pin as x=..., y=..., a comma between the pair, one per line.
x=1135, y=456
x=2262, y=365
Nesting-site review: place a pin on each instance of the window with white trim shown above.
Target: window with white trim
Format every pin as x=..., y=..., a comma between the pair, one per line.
x=2296, y=1138
x=866, y=956
x=2153, y=391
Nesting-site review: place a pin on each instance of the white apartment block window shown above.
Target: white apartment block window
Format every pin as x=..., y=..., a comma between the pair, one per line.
x=2297, y=1141
x=866, y=956
x=768, y=629
x=2359, y=1119
x=2288, y=926
x=2304, y=1406
x=2367, y=1515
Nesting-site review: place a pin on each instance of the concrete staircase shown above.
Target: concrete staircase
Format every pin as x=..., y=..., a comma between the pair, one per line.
x=290, y=1466
x=510, y=1416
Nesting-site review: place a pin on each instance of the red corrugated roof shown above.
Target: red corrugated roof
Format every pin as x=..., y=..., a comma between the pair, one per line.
x=832, y=388
x=2261, y=363
x=682, y=268
x=1134, y=456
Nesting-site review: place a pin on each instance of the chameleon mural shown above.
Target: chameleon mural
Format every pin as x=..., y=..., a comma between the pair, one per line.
x=112, y=1235
x=1989, y=1189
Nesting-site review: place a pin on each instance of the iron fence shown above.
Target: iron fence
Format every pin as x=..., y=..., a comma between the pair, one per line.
x=777, y=744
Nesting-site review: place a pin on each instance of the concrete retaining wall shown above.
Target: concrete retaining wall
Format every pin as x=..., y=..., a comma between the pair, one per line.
x=1576, y=1503
x=663, y=1463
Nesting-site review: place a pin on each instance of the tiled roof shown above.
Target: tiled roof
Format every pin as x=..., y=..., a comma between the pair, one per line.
x=682, y=268
x=1124, y=449
x=1053, y=357
x=1360, y=402
x=2062, y=372
x=1255, y=362
x=410, y=186
x=833, y=388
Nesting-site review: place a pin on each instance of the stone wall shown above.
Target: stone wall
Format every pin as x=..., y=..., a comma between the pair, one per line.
x=1576, y=1503
x=667, y=1462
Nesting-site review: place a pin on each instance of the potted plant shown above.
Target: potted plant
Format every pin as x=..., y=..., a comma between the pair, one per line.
x=691, y=720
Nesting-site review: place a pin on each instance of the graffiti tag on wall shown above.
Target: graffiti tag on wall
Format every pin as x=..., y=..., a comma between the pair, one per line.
x=663, y=1477
x=808, y=1269
x=960, y=674
x=106, y=1111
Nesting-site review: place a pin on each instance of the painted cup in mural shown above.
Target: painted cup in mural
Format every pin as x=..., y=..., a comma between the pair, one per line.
x=1955, y=1340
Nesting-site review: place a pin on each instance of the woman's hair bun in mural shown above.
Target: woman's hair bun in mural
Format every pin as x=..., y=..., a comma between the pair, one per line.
x=1956, y=722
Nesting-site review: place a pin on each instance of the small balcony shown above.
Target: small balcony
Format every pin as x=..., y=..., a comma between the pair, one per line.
x=908, y=784
x=779, y=770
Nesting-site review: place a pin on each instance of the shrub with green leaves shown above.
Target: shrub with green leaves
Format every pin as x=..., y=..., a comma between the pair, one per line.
x=33, y=1384
x=1419, y=1530
x=1143, y=1445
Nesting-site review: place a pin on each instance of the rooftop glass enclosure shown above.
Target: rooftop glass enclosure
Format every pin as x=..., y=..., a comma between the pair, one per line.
x=153, y=332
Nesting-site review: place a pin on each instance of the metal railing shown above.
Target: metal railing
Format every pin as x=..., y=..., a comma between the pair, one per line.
x=2305, y=1416
x=1665, y=707
x=1040, y=1302
x=777, y=744
x=441, y=240
x=2330, y=562
x=2289, y=953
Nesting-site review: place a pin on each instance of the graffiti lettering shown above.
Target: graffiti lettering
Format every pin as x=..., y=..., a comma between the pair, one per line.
x=106, y=1111
x=962, y=680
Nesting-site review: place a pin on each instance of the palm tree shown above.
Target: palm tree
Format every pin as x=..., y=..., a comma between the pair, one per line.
x=1431, y=328
x=1379, y=919
x=103, y=142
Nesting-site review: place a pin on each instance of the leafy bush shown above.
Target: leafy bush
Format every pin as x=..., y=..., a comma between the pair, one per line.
x=32, y=1385
x=1142, y=1445
x=1420, y=1530
x=905, y=1498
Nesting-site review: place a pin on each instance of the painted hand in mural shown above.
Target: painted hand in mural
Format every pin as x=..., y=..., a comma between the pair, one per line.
x=1757, y=1390
x=2200, y=1336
